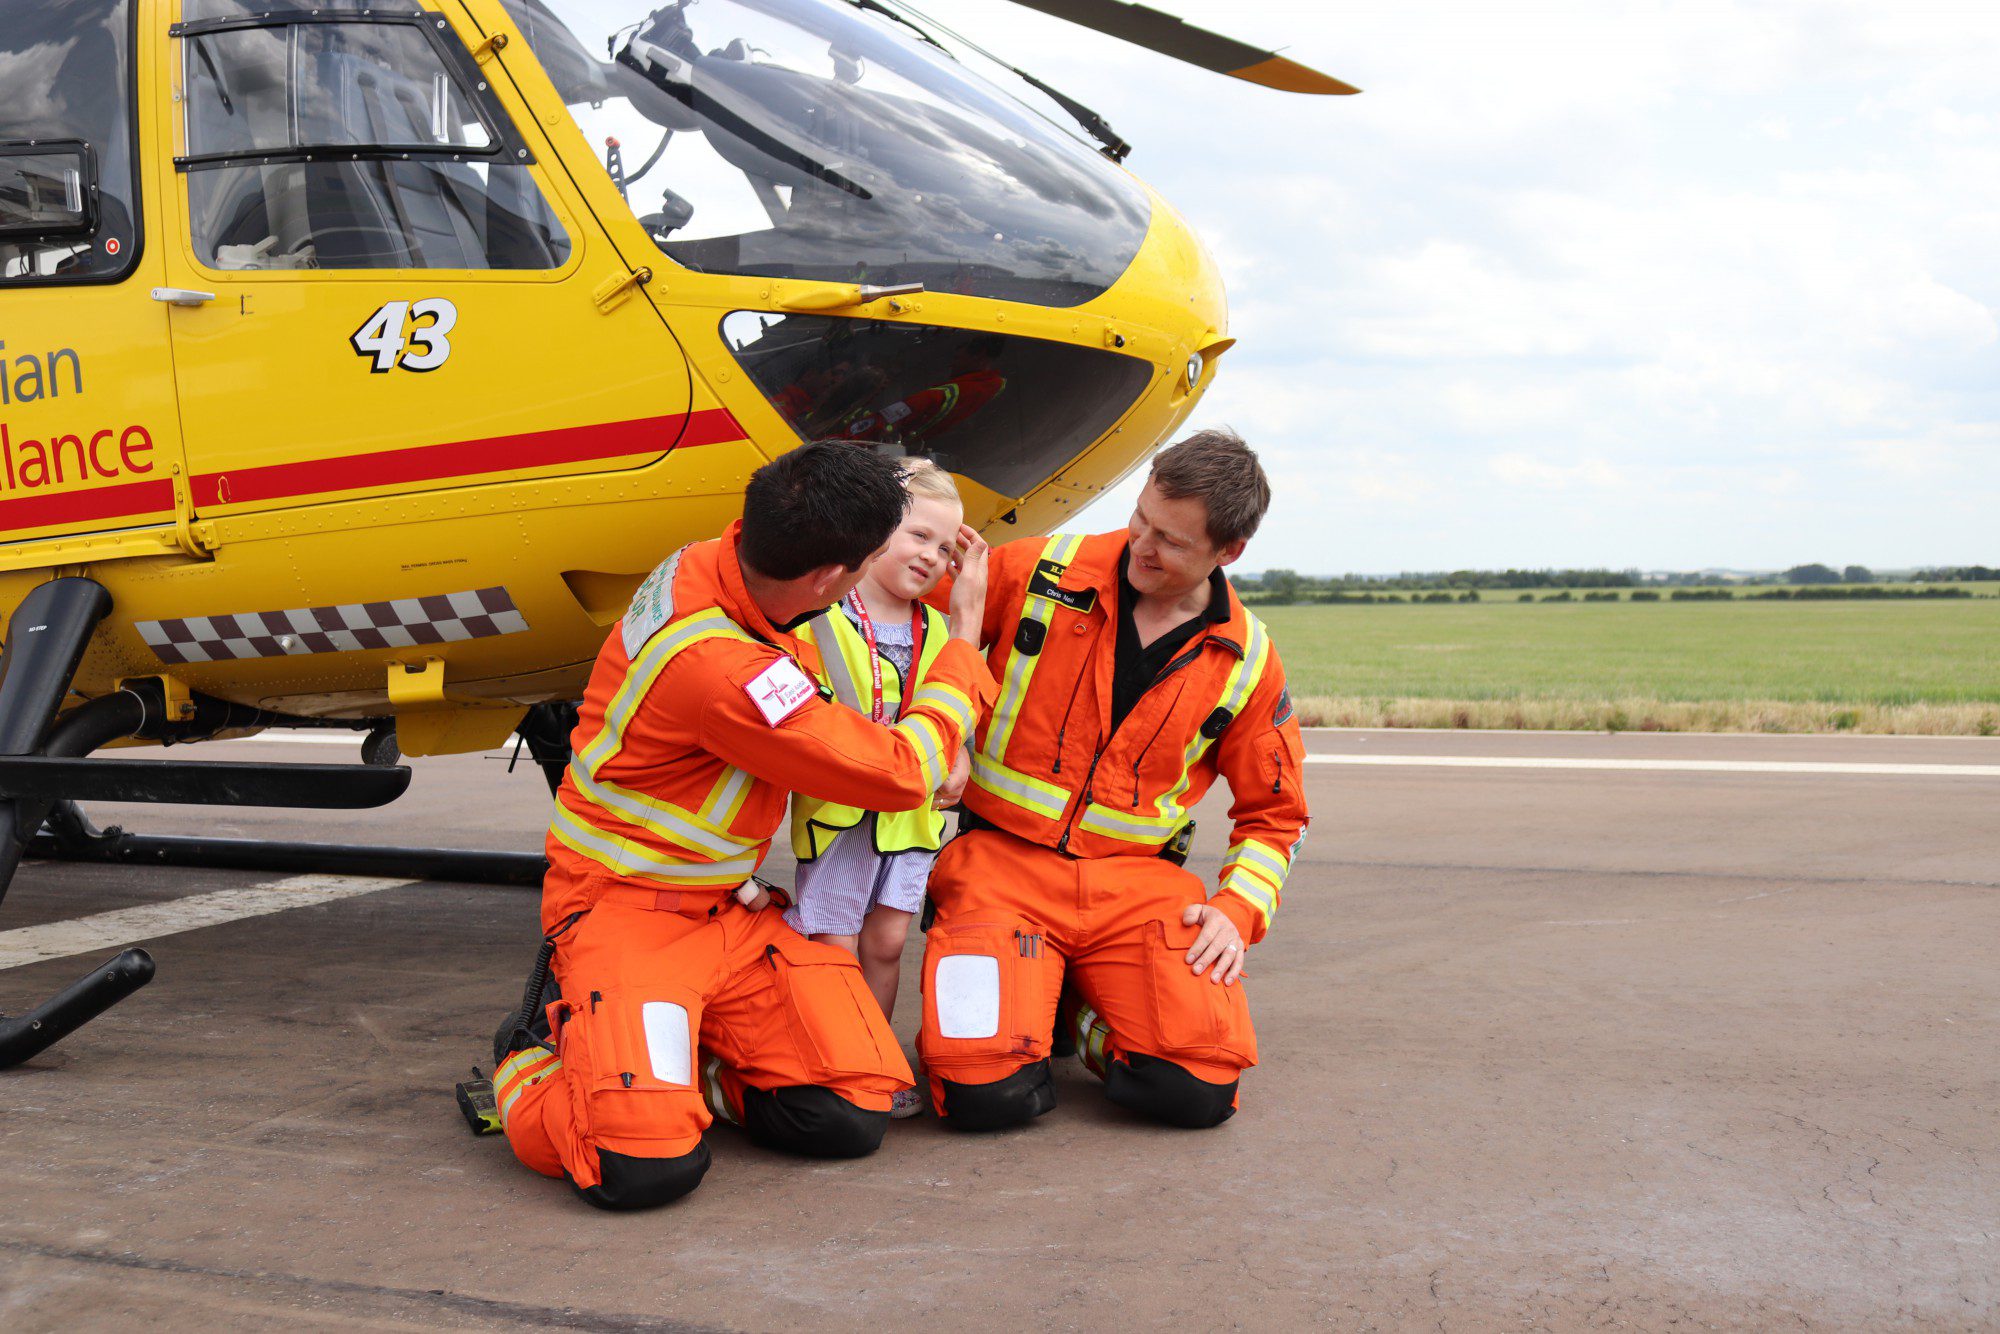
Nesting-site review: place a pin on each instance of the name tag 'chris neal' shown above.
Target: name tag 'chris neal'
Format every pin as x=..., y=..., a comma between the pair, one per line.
x=1046, y=582
x=780, y=690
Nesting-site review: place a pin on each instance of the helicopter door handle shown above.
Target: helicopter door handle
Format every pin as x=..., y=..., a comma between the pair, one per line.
x=846, y=294
x=182, y=296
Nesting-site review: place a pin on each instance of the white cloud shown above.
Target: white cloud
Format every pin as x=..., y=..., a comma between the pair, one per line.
x=1642, y=283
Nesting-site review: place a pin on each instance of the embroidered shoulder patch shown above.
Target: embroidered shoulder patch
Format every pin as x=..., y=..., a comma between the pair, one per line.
x=1284, y=709
x=652, y=605
x=780, y=690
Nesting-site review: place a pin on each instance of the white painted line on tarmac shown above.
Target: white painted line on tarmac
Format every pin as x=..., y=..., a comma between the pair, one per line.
x=313, y=738
x=1677, y=766
x=114, y=930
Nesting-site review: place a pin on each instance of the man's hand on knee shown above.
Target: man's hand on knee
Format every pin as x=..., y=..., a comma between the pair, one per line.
x=1219, y=949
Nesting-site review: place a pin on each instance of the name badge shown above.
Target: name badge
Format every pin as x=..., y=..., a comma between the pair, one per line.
x=1046, y=582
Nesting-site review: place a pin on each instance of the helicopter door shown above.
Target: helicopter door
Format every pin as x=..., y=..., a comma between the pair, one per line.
x=89, y=438
x=405, y=297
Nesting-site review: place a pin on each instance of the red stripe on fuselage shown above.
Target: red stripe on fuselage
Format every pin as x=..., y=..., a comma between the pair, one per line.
x=125, y=500
x=464, y=458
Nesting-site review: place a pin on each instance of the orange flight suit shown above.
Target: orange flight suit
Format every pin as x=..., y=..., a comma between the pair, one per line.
x=678, y=1003
x=1061, y=872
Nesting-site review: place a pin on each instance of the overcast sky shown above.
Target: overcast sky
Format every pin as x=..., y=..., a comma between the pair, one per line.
x=1608, y=284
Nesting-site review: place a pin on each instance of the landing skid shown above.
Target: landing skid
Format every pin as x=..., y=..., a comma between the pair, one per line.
x=44, y=769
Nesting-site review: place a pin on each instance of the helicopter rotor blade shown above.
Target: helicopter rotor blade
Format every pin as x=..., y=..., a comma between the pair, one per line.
x=1197, y=46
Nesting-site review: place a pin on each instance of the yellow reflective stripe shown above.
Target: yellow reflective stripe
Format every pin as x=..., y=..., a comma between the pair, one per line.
x=1044, y=799
x=1131, y=828
x=833, y=658
x=659, y=817
x=1254, y=856
x=725, y=799
x=1254, y=894
x=621, y=856
x=527, y=1061
x=947, y=699
x=639, y=677
x=1021, y=666
x=930, y=746
x=1250, y=875
x=1235, y=689
x=1253, y=889
x=523, y=1070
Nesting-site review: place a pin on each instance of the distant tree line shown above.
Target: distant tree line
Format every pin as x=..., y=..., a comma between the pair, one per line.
x=1280, y=587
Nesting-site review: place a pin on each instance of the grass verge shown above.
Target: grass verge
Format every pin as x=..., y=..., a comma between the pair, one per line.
x=1638, y=714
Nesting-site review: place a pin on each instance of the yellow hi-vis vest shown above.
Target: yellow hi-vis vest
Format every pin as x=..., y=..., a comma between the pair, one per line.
x=844, y=668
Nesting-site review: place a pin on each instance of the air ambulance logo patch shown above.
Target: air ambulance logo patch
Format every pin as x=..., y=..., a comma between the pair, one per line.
x=780, y=690
x=1284, y=710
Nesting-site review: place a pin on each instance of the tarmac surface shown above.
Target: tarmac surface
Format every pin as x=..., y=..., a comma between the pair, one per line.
x=1544, y=1047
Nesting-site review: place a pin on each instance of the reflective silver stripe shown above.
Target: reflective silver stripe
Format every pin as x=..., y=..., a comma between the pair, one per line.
x=642, y=671
x=931, y=747
x=718, y=1101
x=524, y=1069
x=1257, y=857
x=946, y=699
x=1042, y=798
x=1253, y=894
x=1103, y=820
x=833, y=657
x=727, y=797
x=658, y=817
x=1250, y=887
x=1021, y=666
x=627, y=859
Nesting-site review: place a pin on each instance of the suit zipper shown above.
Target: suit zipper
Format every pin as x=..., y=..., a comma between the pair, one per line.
x=1064, y=729
x=1147, y=748
x=1062, y=844
x=1201, y=641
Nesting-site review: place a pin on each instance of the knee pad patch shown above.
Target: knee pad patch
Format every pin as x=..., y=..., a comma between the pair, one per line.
x=626, y=1182
x=813, y=1121
x=1013, y=1101
x=1155, y=1087
x=968, y=996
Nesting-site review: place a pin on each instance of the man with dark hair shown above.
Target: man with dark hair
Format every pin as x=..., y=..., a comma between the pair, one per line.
x=1131, y=678
x=680, y=998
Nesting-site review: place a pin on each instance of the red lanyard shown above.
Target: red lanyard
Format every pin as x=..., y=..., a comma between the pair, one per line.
x=876, y=711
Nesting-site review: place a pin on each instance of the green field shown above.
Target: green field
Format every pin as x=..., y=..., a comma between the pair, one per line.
x=1847, y=664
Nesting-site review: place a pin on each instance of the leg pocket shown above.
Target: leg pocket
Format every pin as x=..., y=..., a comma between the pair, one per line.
x=631, y=1054
x=833, y=1021
x=1191, y=1016
x=983, y=993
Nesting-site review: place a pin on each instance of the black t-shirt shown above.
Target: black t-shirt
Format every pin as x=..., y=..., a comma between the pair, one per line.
x=1137, y=666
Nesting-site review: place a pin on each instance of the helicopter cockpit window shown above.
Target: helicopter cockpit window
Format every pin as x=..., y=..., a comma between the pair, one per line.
x=812, y=139
x=1007, y=412
x=68, y=198
x=363, y=144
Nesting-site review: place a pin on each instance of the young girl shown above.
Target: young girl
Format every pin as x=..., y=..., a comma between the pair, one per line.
x=862, y=873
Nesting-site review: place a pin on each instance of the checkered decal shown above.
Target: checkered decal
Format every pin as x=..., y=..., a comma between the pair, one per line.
x=348, y=628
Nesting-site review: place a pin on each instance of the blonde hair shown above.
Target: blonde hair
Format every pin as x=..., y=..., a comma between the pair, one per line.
x=921, y=477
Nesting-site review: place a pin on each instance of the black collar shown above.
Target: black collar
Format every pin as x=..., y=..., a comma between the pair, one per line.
x=1216, y=613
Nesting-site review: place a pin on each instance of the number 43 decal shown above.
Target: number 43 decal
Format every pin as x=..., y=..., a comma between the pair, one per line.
x=383, y=336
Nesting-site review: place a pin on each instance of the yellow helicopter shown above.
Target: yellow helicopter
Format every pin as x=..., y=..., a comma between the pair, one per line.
x=358, y=358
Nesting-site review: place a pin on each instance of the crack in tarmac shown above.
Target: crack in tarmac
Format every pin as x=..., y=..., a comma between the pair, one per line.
x=559, y=1317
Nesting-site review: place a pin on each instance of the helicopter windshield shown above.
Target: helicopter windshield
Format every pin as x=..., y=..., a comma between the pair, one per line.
x=810, y=139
